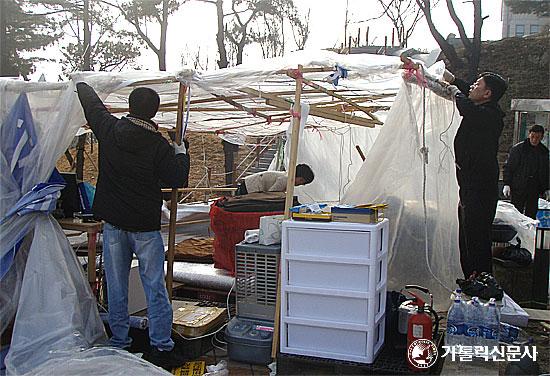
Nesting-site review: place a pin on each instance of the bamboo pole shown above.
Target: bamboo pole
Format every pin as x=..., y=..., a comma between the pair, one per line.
x=283, y=104
x=342, y=98
x=291, y=170
x=174, y=198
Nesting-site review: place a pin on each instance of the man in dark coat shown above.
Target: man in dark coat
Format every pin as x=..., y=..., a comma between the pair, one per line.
x=477, y=170
x=526, y=172
x=134, y=158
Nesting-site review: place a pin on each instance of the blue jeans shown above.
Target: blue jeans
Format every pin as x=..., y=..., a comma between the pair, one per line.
x=118, y=249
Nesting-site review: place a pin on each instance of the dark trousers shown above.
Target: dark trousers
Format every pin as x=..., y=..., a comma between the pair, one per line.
x=526, y=201
x=241, y=189
x=476, y=212
x=229, y=151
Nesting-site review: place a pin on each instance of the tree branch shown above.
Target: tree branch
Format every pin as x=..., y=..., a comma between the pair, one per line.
x=446, y=47
x=459, y=25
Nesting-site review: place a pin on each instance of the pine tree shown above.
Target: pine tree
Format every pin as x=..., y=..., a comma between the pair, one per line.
x=21, y=34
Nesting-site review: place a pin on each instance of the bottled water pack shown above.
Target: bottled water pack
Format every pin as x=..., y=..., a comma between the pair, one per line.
x=472, y=323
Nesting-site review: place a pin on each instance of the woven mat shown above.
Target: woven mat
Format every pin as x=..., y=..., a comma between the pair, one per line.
x=195, y=250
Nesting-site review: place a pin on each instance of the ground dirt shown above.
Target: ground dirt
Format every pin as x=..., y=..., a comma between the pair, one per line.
x=207, y=159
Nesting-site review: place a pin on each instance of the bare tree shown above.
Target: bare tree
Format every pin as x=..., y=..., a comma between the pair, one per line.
x=300, y=30
x=472, y=46
x=220, y=35
x=144, y=13
x=238, y=32
x=195, y=59
x=404, y=15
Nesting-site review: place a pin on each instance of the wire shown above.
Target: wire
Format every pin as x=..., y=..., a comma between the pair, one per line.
x=227, y=300
x=447, y=148
x=424, y=184
x=199, y=337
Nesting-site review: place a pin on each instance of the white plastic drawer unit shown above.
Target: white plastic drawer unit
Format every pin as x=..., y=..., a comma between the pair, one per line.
x=334, y=306
x=335, y=239
x=314, y=338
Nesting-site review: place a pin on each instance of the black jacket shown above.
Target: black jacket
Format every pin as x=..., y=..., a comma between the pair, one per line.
x=133, y=160
x=476, y=142
x=526, y=161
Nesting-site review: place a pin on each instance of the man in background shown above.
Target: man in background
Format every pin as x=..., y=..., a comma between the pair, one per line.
x=133, y=160
x=526, y=173
x=273, y=181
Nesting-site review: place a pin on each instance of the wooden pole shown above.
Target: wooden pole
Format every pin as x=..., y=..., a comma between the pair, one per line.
x=360, y=152
x=291, y=170
x=174, y=197
x=367, y=36
x=349, y=44
x=358, y=37
x=386, y=45
x=295, y=138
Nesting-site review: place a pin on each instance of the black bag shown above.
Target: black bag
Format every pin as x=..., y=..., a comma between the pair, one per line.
x=516, y=254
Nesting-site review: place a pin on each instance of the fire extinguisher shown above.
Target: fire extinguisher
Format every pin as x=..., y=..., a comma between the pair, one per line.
x=421, y=324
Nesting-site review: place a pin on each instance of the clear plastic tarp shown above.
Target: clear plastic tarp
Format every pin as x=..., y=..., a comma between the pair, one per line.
x=44, y=290
x=422, y=196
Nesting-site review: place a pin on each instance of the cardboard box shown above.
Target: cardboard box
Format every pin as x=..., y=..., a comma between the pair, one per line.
x=362, y=214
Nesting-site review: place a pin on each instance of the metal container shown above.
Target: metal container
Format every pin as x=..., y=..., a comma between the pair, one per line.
x=256, y=273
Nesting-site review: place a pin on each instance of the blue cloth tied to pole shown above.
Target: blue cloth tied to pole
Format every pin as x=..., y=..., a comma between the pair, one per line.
x=18, y=138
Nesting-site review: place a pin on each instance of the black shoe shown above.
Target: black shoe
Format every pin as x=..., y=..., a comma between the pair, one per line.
x=483, y=286
x=165, y=359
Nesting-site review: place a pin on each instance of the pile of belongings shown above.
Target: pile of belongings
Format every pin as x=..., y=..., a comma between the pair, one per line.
x=483, y=285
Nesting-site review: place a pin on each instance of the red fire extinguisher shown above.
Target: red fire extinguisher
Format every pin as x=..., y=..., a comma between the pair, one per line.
x=421, y=325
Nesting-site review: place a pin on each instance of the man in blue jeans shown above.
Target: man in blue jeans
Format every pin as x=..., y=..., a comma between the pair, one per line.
x=135, y=160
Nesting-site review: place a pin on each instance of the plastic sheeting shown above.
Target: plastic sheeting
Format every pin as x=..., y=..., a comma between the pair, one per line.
x=99, y=361
x=46, y=286
x=393, y=173
x=525, y=226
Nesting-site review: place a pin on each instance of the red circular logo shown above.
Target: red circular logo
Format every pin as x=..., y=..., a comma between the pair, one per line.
x=422, y=353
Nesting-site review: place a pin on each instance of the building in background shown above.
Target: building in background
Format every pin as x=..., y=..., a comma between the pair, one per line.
x=519, y=25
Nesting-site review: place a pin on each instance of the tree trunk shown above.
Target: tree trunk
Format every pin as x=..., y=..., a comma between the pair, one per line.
x=3, y=40
x=163, y=29
x=476, y=43
x=222, y=63
x=87, y=63
x=240, y=49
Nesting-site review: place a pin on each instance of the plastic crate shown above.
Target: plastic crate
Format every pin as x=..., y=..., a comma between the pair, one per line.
x=256, y=273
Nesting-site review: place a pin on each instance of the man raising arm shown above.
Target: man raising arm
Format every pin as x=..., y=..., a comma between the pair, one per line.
x=133, y=159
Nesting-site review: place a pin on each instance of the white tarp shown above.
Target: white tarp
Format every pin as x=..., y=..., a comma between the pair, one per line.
x=393, y=173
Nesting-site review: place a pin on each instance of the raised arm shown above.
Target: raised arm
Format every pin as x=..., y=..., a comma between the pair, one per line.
x=97, y=115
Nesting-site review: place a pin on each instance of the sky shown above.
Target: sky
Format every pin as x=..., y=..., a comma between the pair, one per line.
x=193, y=28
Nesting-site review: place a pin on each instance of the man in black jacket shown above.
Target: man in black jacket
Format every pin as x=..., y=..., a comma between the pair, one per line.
x=133, y=160
x=526, y=172
x=477, y=171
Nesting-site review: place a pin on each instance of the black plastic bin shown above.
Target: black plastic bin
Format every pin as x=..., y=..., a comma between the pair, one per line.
x=249, y=340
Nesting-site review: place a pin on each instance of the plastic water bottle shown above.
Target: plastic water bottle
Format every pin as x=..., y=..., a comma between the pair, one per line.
x=491, y=325
x=474, y=318
x=455, y=322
